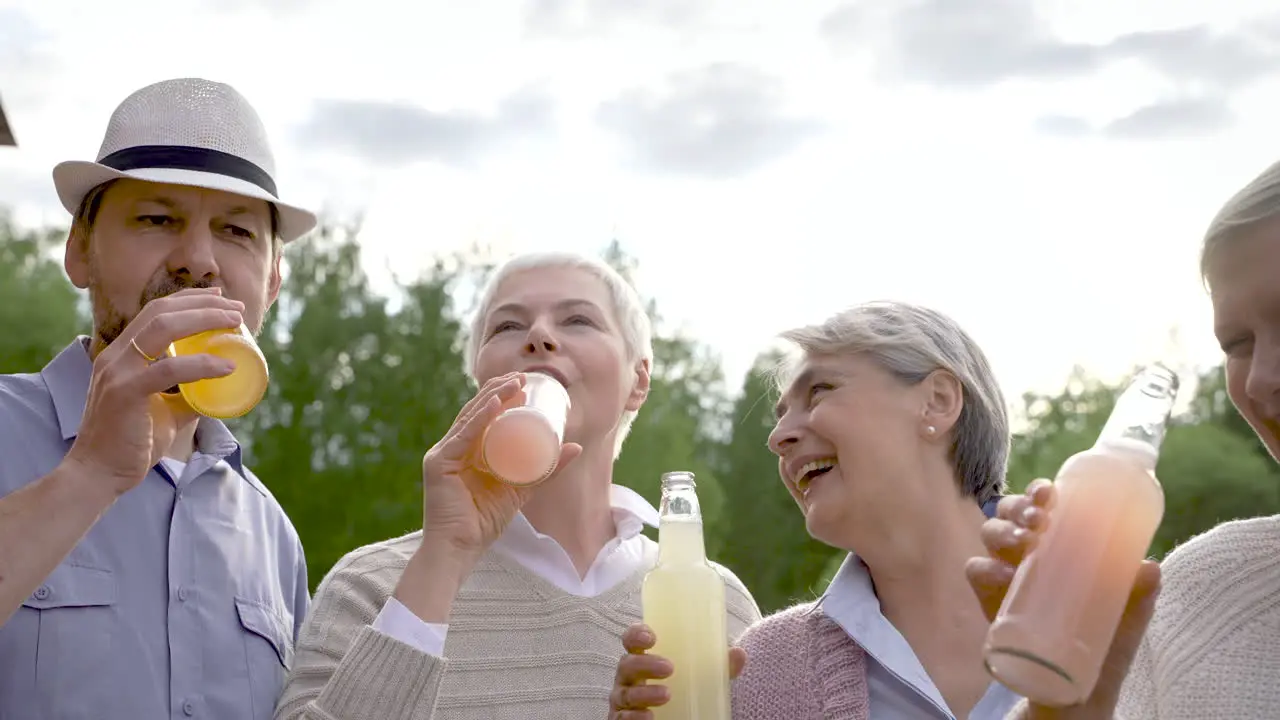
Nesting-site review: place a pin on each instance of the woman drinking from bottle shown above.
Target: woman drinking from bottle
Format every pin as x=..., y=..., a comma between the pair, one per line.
x=510, y=601
x=1212, y=647
x=892, y=436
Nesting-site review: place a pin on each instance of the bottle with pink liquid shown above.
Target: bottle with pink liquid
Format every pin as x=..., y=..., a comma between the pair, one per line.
x=1063, y=608
x=522, y=445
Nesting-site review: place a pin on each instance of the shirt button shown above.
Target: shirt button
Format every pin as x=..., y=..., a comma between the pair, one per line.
x=183, y=594
x=188, y=708
x=43, y=592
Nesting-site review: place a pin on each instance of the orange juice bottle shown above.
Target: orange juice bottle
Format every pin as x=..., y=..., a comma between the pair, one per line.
x=684, y=603
x=1062, y=610
x=232, y=395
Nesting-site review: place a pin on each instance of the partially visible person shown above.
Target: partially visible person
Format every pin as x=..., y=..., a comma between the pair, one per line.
x=145, y=572
x=1212, y=646
x=509, y=603
x=892, y=437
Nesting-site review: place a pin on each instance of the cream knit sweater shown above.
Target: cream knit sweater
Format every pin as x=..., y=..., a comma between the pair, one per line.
x=1213, y=647
x=518, y=646
x=1212, y=650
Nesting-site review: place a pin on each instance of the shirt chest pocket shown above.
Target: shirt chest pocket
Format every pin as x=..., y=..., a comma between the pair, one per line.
x=268, y=646
x=76, y=620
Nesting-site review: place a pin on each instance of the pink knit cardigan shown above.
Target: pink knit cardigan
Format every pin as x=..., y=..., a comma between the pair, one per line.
x=801, y=665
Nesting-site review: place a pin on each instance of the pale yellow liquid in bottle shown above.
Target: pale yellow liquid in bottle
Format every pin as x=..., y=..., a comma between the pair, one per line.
x=684, y=604
x=232, y=395
x=1062, y=610
x=521, y=447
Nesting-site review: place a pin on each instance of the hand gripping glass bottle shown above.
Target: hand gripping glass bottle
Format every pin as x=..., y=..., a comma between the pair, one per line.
x=1064, y=605
x=684, y=603
x=522, y=445
x=232, y=395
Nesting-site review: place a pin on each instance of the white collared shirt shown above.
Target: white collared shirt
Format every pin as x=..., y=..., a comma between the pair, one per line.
x=542, y=555
x=898, y=687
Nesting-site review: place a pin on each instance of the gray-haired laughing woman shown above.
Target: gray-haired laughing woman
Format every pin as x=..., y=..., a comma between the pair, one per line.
x=892, y=436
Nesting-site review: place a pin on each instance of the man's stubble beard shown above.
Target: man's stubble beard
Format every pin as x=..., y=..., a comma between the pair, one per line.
x=109, y=323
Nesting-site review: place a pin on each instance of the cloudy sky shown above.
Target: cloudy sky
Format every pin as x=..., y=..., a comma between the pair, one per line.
x=1043, y=171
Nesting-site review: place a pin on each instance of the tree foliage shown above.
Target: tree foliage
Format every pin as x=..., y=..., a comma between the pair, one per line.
x=40, y=311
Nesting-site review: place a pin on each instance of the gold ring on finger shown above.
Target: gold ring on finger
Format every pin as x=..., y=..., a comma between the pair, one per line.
x=143, y=353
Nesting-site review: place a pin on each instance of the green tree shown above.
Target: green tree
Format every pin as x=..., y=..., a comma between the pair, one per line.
x=1211, y=474
x=40, y=310
x=675, y=430
x=358, y=394
x=1057, y=426
x=671, y=433
x=768, y=546
x=676, y=427
x=1211, y=467
x=1212, y=405
x=829, y=572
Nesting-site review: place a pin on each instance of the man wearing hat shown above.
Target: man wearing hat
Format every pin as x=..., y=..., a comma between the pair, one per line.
x=145, y=572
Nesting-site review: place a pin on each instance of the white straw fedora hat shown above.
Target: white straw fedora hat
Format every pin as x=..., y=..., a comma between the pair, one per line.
x=186, y=131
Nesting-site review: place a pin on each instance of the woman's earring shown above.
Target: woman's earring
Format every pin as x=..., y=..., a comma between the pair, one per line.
x=931, y=429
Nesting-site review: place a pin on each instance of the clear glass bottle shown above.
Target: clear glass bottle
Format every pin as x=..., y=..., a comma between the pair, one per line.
x=522, y=445
x=1062, y=610
x=230, y=396
x=684, y=604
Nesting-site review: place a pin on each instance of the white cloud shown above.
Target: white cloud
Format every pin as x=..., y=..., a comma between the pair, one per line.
x=986, y=43
x=390, y=134
x=570, y=18
x=1076, y=245
x=719, y=121
x=983, y=42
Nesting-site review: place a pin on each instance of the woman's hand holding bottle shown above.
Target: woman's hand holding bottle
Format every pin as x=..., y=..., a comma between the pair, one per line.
x=632, y=695
x=1019, y=521
x=464, y=508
